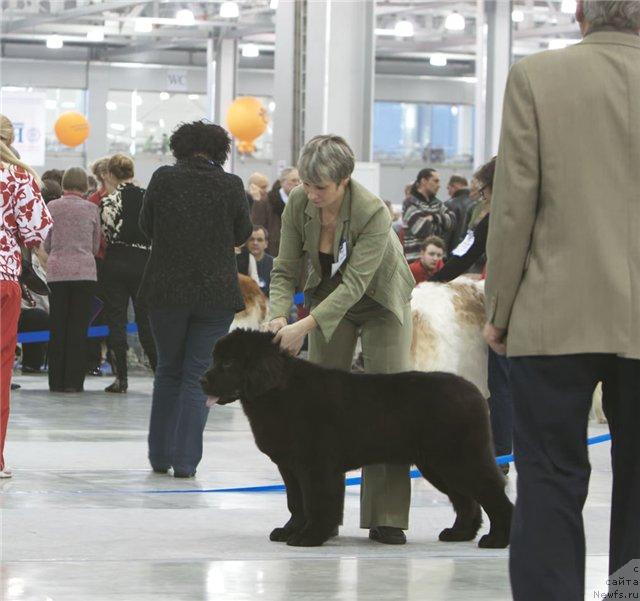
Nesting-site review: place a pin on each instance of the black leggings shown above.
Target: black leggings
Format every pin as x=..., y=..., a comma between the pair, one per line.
x=121, y=275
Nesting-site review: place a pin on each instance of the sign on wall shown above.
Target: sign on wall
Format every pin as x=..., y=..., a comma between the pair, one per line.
x=27, y=113
x=176, y=80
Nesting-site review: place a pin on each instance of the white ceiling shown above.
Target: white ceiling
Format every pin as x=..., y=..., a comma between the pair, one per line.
x=26, y=25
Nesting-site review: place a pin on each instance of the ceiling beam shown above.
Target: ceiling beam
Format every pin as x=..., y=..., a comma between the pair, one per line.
x=66, y=15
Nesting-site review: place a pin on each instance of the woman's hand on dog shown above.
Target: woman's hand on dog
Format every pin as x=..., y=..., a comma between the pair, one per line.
x=291, y=337
x=275, y=325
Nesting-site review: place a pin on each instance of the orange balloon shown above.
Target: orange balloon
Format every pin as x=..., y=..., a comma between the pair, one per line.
x=72, y=128
x=246, y=147
x=246, y=120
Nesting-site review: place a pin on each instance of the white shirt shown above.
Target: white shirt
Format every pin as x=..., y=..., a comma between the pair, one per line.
x=283, y=195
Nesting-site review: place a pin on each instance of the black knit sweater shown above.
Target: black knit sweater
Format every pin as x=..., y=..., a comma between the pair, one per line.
x=194, y=213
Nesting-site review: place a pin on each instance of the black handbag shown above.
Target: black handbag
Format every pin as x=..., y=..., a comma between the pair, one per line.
x=32, y=280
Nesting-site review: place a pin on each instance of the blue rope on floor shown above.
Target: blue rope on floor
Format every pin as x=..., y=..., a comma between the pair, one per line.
x=354, y=481
x=103, y=331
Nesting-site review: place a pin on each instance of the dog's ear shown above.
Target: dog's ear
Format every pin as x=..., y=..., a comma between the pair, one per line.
x=264, y=373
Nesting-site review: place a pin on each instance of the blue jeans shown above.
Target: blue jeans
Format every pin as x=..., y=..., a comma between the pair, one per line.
x=500, y=403
x=184, y=338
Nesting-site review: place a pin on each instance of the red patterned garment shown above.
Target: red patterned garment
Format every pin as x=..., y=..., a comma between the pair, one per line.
x=24, y=217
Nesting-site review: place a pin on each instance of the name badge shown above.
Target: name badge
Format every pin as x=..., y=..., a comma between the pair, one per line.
x=342, y=257
x=465, y=245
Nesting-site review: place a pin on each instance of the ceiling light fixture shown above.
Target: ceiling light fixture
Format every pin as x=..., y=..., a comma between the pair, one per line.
x=229, y=10
x=273, y=5
x=438, y=60
x=55, y=42
x=95, y=35
x=404, y=29
x=250, y=51
x=193, y=96
x=455, y=22
x=185, y=17
x=143, y=26
x=517, y=16
x=110, y=105
x=118, y=127
x=165, y=95
x=568, y=7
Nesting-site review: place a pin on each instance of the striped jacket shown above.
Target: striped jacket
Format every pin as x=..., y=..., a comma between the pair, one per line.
x=422, y=218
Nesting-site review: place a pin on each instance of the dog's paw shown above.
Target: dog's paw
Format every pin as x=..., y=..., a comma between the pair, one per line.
x=494, y=541
x=451, y=535
x=280, y=535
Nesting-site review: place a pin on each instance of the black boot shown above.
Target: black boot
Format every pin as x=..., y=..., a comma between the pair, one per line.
x=118, y=360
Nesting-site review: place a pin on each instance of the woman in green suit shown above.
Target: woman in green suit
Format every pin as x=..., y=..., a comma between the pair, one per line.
x=358, y=284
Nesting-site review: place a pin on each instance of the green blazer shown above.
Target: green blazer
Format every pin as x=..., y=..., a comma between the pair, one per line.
x=375, y=264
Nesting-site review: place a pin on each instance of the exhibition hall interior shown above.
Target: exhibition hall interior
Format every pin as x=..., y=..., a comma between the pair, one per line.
x=101, y=98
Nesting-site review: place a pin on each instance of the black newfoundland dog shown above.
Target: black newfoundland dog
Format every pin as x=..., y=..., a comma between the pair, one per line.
x=315, y=424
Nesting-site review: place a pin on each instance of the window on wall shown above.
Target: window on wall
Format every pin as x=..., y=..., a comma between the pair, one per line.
x=141, y=123
x=57, y=101
x=433, y=133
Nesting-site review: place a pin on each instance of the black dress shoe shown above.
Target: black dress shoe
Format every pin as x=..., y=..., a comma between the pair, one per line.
x=15, y=386
x=387, y=535
x=96, y=371
x=181, y=474
x=30, y=370
x=160, y=469
x=73, y=389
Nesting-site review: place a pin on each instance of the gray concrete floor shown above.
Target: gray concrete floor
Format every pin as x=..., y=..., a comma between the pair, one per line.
x=80, y=520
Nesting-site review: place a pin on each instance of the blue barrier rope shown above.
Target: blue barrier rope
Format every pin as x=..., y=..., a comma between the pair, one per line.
x=354, y=481
x=103, y=331
x=94, y=332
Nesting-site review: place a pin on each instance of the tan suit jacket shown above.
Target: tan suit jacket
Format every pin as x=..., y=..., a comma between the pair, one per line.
x=375, y=264
x=564, y=235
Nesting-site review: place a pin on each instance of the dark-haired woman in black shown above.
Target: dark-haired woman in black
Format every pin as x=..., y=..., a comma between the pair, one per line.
x=126, y=254
x=195, y=214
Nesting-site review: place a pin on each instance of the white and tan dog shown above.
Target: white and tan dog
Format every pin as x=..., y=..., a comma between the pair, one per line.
x=447, y=333
x=256, y=311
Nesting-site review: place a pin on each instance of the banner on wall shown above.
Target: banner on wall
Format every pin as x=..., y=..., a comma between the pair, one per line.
x=27, y=113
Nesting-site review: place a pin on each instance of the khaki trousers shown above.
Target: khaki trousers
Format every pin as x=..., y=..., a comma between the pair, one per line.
x=385, y=494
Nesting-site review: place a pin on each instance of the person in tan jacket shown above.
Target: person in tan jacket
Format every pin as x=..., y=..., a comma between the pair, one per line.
x=358, y=281
x=563, y=291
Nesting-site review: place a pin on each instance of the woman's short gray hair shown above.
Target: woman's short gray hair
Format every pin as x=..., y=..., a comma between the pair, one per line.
x=75, y=178
x=621, y=14
x=326, y=158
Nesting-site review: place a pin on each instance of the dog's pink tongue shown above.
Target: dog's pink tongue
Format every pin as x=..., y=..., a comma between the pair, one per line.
x=212, y=400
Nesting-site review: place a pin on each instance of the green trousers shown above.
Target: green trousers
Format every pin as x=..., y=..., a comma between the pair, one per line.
x=385, y=494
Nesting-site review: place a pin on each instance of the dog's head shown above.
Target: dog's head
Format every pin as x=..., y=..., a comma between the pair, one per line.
x=246, y=364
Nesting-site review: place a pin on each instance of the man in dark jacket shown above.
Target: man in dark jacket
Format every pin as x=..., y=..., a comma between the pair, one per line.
x=268, y=211
x=462, y=207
